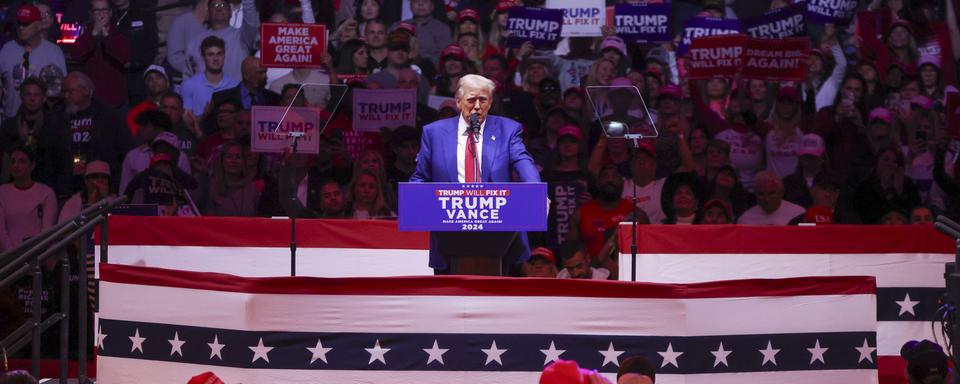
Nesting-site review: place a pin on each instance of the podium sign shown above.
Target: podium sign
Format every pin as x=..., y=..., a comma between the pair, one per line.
x=486, y=207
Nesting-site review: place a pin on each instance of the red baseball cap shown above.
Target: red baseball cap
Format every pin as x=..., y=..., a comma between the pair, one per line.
x=28, y=14
x=671, y=90
x=407, y=27
x=881, y=114
x=453, y=50
x=205, y=378
x=570, y=130
x=468, y=14
x=545, y=253
x=505, y=5
x=647, y=147
x=160, y=157
x=564, y=372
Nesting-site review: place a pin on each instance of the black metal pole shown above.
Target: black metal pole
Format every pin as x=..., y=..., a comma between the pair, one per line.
x=633, y=236
x=293, y=211
x=954, y=294
x=65, y=310
x=104, y=232
x=35, y=315
x=82, y=300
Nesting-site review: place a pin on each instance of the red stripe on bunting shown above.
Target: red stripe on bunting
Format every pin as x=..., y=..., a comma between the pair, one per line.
x=485, y=286
x=261, y=232
x=740, y=239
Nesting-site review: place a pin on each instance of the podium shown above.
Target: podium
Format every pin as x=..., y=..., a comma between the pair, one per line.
x=476, y=229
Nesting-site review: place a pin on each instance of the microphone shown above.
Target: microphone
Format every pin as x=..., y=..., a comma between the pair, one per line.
x=474, y=123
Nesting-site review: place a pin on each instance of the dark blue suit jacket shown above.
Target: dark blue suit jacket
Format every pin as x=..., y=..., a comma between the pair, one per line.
x=503, y=152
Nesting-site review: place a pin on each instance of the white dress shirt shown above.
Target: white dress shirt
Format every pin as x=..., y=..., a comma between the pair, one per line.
x=462, y=148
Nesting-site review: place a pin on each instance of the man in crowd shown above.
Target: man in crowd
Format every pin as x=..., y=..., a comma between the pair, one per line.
x=105, y=55
x=376, y=37
x=333, y=203
x=432, y=34
x=251, y=90
x=595, y=221
x=96, y=131
x=198, y=89
x=771, y=209
x=188, y=131
x=26, y=56
x=157, y=84
x=576, y=263
x=405, y=143
x=643, y=169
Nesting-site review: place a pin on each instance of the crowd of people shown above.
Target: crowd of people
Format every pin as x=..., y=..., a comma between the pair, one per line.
x=155, y=104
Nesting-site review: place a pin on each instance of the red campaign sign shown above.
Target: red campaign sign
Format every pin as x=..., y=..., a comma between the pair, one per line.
x=783, y=59
x=953, y=115
x=292, y=45
x=715, y=56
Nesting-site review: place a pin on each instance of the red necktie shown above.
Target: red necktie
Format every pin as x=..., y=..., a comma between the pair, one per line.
x=469, y=166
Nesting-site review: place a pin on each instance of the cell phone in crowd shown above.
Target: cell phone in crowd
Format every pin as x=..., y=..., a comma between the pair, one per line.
x=847, y=100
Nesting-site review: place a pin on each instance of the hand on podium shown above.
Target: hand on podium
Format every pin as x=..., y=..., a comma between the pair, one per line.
x=548, y=208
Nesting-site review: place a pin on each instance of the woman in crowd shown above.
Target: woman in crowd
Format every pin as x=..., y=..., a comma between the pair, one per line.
x=715, y=94
x=96, y=187
x=758, y=96
x=372, y=160
x=367, y=196
x=842, y=124
x=614, y=49
x=681, y=198
x=453, y=65
x=470, y=42
x=366, y=10
x=534, y=71
x=497, y=42
x=26, y=207
x=783, y=139
x=931, y=82
x=601, y=73
x=353, y=59
x=875, y=93
x=232, y=189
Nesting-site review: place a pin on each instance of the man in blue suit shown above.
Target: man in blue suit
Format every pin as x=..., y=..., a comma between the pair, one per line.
x=447, y=155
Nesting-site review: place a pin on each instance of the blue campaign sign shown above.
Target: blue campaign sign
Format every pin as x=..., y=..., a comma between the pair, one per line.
x=643, y=23
x=488, y=207
x=540, y=26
